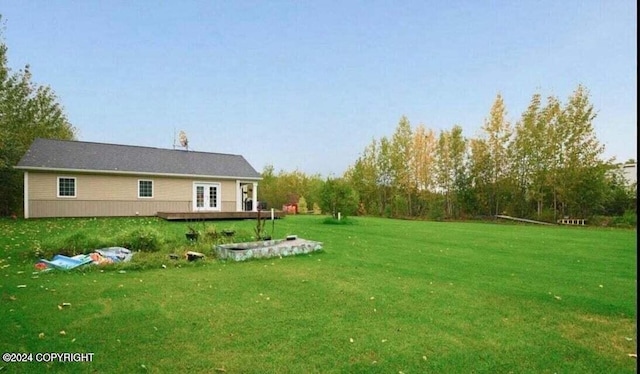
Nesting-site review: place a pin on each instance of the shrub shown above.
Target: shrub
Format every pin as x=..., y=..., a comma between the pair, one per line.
x=628, y=219
x=241, y=236
x=436, y=210
x=362, y=211
x=387, y=212
x=302, y=205
x=143, y=239
x=211, y=234
x=337, y=196
x=335, y=221
x=603, y=221
x=547, y=215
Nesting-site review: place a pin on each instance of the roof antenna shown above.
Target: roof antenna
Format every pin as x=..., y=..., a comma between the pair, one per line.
x=174, y=138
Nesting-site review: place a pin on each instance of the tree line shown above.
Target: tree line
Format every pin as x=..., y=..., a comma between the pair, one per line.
x=547, y=165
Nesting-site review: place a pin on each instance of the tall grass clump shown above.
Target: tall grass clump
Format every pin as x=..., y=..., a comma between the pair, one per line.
x=335, y=221
x=145, y=239
x=73, y=244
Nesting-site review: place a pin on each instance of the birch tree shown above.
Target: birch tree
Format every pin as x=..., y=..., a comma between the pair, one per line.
x=583, y=176
x=444, y=169
x=498, y=131
x=363, y=177
x=401, y=152
x=423, y=160
x=531, y=153
x=480, y=174
x=385, y=174
x=457, y=152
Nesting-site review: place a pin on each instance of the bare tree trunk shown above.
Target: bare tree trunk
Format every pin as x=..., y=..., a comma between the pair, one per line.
x=555, y=206
x=539, y=207
x=497, y=200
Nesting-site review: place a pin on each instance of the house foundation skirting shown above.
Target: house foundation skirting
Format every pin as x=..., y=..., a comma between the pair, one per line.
x=97, y=208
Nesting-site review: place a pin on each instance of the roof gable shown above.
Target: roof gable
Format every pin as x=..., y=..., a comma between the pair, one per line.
x=49, y=154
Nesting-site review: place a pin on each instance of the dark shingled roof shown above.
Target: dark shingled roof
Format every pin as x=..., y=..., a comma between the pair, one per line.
x=115, y=158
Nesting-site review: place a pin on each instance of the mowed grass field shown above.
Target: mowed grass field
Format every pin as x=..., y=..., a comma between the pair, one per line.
x=384, y=296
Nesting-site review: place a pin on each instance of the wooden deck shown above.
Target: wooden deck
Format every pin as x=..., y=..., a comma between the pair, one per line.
x=208, y=216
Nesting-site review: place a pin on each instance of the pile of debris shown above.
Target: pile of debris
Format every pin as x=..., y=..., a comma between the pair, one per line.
x=102, y=256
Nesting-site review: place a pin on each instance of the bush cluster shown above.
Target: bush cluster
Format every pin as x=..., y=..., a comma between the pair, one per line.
x=335, y=221
x=145, y=239
x=628, y=220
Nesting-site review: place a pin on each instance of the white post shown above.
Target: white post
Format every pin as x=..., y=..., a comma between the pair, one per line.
x=26, y=194
x=338, y=216
x=239, y=197
x=254, y=198
x=272, y=214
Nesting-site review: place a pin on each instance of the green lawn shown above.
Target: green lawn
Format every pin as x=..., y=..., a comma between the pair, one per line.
x=385, y=296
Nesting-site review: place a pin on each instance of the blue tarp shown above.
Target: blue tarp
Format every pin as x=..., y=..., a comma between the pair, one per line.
x=65, y=263
x=99, y=257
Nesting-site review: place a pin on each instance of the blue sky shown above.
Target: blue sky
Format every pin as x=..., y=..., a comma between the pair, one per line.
x=308, y=84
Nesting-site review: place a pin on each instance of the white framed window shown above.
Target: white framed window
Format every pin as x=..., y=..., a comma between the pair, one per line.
x=66, y=187
x=145, y=188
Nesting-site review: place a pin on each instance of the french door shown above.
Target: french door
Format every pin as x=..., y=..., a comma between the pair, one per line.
x=206, y=196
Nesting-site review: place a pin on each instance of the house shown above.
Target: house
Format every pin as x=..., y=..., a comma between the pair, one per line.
x=84, y=179
x=630, y=173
